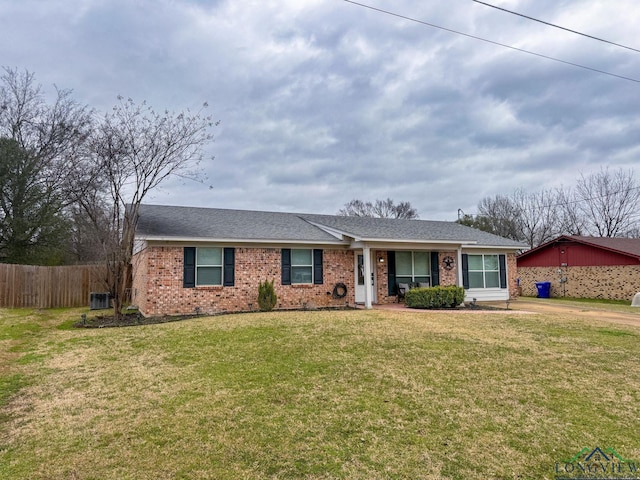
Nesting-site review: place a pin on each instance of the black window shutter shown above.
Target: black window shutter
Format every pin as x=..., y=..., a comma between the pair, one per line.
x=435, y=269
x=229, y=266
x=286, y=266
x=391, y=271
x=465, y=271
x=189, y=276
x=503, y=271
x=317, y=267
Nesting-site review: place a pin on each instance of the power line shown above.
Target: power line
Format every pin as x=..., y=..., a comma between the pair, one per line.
x=386, y=12
x=557, y=26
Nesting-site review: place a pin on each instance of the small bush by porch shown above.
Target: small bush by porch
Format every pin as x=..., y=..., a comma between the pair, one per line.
x=434, y=297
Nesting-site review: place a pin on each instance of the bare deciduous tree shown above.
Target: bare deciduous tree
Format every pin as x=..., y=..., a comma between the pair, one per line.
x=609, y=202
x=500, y=216
x=570, y=221
x=537, y=218
x=603, y=204
x=379, y=209
x=134, y=150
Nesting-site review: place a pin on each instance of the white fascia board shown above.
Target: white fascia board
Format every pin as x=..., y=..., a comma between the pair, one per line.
x=388, y=244
x=492, y=247
x=435, y=241
x=235, y=241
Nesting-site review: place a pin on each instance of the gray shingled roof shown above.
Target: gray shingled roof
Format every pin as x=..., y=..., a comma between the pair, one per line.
x=404, y=230
x=215, y=223
x=167, y=222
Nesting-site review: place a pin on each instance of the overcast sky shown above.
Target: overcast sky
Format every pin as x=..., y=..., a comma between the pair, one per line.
x=323, y=101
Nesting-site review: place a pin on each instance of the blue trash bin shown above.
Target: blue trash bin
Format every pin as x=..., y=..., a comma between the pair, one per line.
x=544, y=289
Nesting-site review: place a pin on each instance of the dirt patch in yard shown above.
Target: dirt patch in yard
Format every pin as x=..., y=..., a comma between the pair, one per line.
x=594, y=312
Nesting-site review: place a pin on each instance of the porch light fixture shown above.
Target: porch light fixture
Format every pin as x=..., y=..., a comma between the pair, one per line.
x=381, y=260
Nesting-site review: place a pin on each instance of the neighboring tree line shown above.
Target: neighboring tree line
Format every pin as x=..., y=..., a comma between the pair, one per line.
x=378, y=209
x=71, y=180
x=603, y=204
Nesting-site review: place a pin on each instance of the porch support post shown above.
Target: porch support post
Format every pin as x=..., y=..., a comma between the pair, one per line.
x=459, y=266
x=368, y=290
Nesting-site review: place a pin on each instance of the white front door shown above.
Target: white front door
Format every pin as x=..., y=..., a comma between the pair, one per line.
x=359, y=279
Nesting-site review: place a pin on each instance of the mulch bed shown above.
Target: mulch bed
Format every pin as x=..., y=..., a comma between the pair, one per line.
x=133, y=319
x=128, y=320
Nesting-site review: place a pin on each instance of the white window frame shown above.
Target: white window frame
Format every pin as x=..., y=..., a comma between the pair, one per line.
x=310, y=250
x=484, y=270
x=221, y=266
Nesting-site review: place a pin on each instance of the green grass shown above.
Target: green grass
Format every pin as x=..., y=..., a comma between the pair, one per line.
x=347, y=394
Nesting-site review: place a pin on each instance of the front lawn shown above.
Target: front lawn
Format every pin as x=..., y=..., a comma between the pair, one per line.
x=344, y=394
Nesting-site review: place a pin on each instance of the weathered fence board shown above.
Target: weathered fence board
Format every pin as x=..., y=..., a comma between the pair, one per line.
x=49, y=287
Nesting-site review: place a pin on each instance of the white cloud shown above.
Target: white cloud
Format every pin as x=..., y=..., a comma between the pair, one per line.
x=322, y=102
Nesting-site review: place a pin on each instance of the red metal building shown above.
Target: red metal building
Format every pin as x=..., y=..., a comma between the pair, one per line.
x=583, y=267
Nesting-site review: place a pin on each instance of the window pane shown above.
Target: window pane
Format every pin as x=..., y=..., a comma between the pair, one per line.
x=423, y=280
x=475, y=262
x=403, y=263
x=301, y=275
x=421, y=263
x=209, y=256
x=491, y=262
x=209, y=276
x=476, y=280
x=403, y=280
x=301, y=257
x=492, y=280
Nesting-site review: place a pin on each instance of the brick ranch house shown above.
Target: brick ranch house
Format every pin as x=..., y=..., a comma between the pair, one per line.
x=211, y=260
x=583, y=267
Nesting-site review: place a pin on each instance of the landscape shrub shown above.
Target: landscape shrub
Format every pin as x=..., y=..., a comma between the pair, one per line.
x=267, y=297
x=434, y=297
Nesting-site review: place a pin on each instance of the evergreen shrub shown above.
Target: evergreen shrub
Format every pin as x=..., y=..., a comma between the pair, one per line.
x=434, y=297
x=267, y=297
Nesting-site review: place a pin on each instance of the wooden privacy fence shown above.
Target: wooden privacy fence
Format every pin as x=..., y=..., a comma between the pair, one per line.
x=49, y=287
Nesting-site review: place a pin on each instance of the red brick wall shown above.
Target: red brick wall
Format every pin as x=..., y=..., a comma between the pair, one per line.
x=140, y=272
x=448, y=277
x=158, y=277
x=382, y=278
x=617, y=282
x=512, y=276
